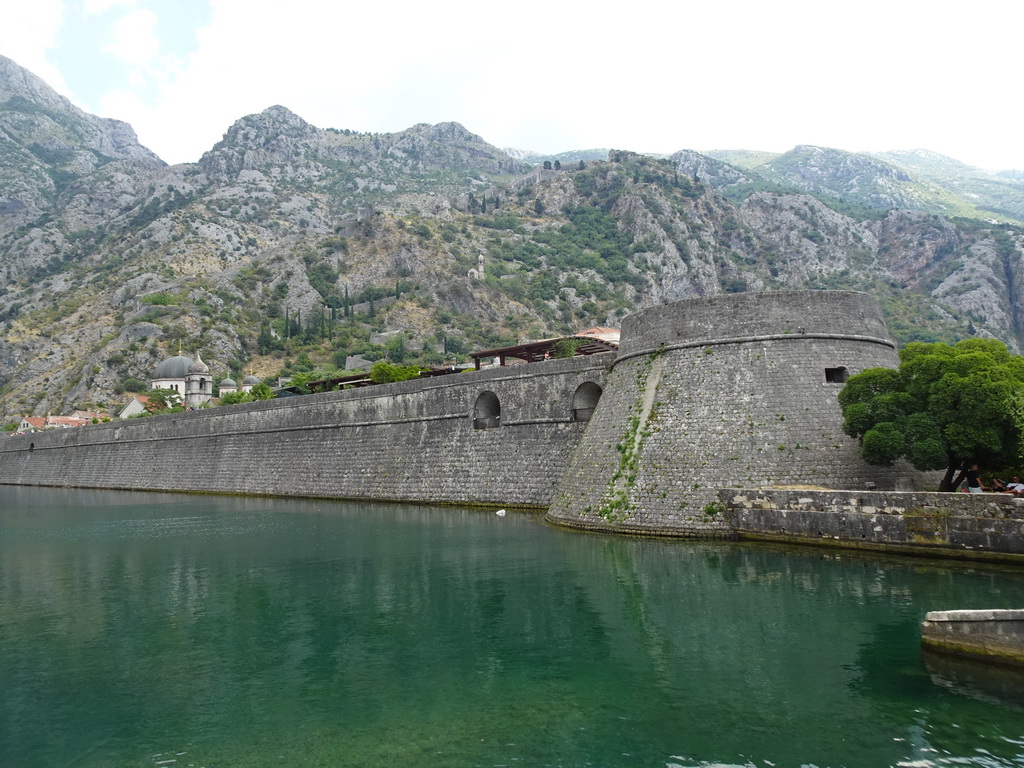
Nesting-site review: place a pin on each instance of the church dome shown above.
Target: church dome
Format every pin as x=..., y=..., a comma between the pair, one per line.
x=250, y=381
x=199, y=366
x=227, y=383
x=173, y=368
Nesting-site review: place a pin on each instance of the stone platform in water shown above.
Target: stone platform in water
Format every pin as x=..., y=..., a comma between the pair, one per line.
x=990, y=635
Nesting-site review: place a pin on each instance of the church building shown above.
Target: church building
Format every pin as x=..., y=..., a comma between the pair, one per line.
x=190, y=379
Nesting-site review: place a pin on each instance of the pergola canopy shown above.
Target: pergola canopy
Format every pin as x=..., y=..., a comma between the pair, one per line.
x=591, y=342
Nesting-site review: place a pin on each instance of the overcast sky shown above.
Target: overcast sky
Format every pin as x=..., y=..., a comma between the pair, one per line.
x=547, y=75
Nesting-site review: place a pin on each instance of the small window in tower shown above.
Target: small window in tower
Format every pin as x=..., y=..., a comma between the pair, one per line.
x=837, y=375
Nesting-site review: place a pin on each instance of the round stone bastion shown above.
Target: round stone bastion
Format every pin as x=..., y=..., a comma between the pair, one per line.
x=737, y=390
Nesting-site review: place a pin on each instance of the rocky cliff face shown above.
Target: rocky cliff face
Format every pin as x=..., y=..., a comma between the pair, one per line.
x=916, y=180
x=49, y=148
x=287, y=238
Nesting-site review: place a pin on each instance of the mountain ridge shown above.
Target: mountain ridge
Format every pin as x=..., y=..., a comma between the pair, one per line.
x=288, y=246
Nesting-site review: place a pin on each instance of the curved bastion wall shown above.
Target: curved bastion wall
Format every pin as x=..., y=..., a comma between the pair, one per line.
x=730, y=391
x=501, y=436
x=738, y=390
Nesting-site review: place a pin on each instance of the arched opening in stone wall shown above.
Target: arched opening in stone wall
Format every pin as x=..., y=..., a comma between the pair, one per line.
x=487, y=411
x=584, y=401
x=202, y=385
x=31, y=447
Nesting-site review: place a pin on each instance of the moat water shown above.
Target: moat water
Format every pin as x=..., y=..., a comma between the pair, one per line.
x=175, y=630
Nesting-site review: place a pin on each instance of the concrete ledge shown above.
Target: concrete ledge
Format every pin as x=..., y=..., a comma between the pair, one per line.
x=989, y=635
x=997, y=614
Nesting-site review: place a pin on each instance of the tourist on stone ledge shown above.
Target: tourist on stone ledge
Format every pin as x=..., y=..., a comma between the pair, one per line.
x=974, y=484
x=1015, y=486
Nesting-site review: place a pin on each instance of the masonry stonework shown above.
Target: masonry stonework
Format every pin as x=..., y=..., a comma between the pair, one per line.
x=737, y=390
x=993, y=636
x=411, y=441
x=986, y=525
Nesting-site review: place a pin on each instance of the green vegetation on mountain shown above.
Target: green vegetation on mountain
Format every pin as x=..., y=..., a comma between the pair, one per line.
x=298, y=252
x=862, y=186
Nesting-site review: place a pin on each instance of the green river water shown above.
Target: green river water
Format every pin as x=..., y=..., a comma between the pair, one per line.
x=176, y=630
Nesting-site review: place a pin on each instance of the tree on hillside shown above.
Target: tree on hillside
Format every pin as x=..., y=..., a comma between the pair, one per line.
x=161, y=400
x=386, y=373
x=262, y=391
x=943, y=408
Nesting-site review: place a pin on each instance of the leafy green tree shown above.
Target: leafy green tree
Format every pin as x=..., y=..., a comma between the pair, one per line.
x=162, y=400
x=385, y=373
x=234, y=398
x=265, y=342
x=262, y=391
x=567, y=347
x=943, y=408
x=396, y=349
x=161, y=299
x=131, y=384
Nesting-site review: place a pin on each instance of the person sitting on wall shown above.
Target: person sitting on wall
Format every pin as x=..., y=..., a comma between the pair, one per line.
x=995, y=485
x=1015, y=486
x=974, y=484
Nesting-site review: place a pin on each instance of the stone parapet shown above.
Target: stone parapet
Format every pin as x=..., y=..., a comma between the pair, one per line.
x=983, y=525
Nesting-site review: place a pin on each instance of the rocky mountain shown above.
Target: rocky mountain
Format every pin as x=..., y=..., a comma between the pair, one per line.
x=993, y=195
x=916, y=180
x=49, y=147
x=288, y=247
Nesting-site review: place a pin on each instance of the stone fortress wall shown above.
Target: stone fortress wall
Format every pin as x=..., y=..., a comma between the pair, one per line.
x=422, y=440
x=736, y=390
x=728, y=391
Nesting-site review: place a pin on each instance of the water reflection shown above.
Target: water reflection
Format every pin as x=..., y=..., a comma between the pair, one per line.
x=266, y=632
x=996, y=684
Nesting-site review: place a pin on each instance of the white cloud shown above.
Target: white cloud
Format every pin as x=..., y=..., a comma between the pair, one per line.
x=99, y=7
x=28, y=32
x=134, y=38
x=548, y=76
